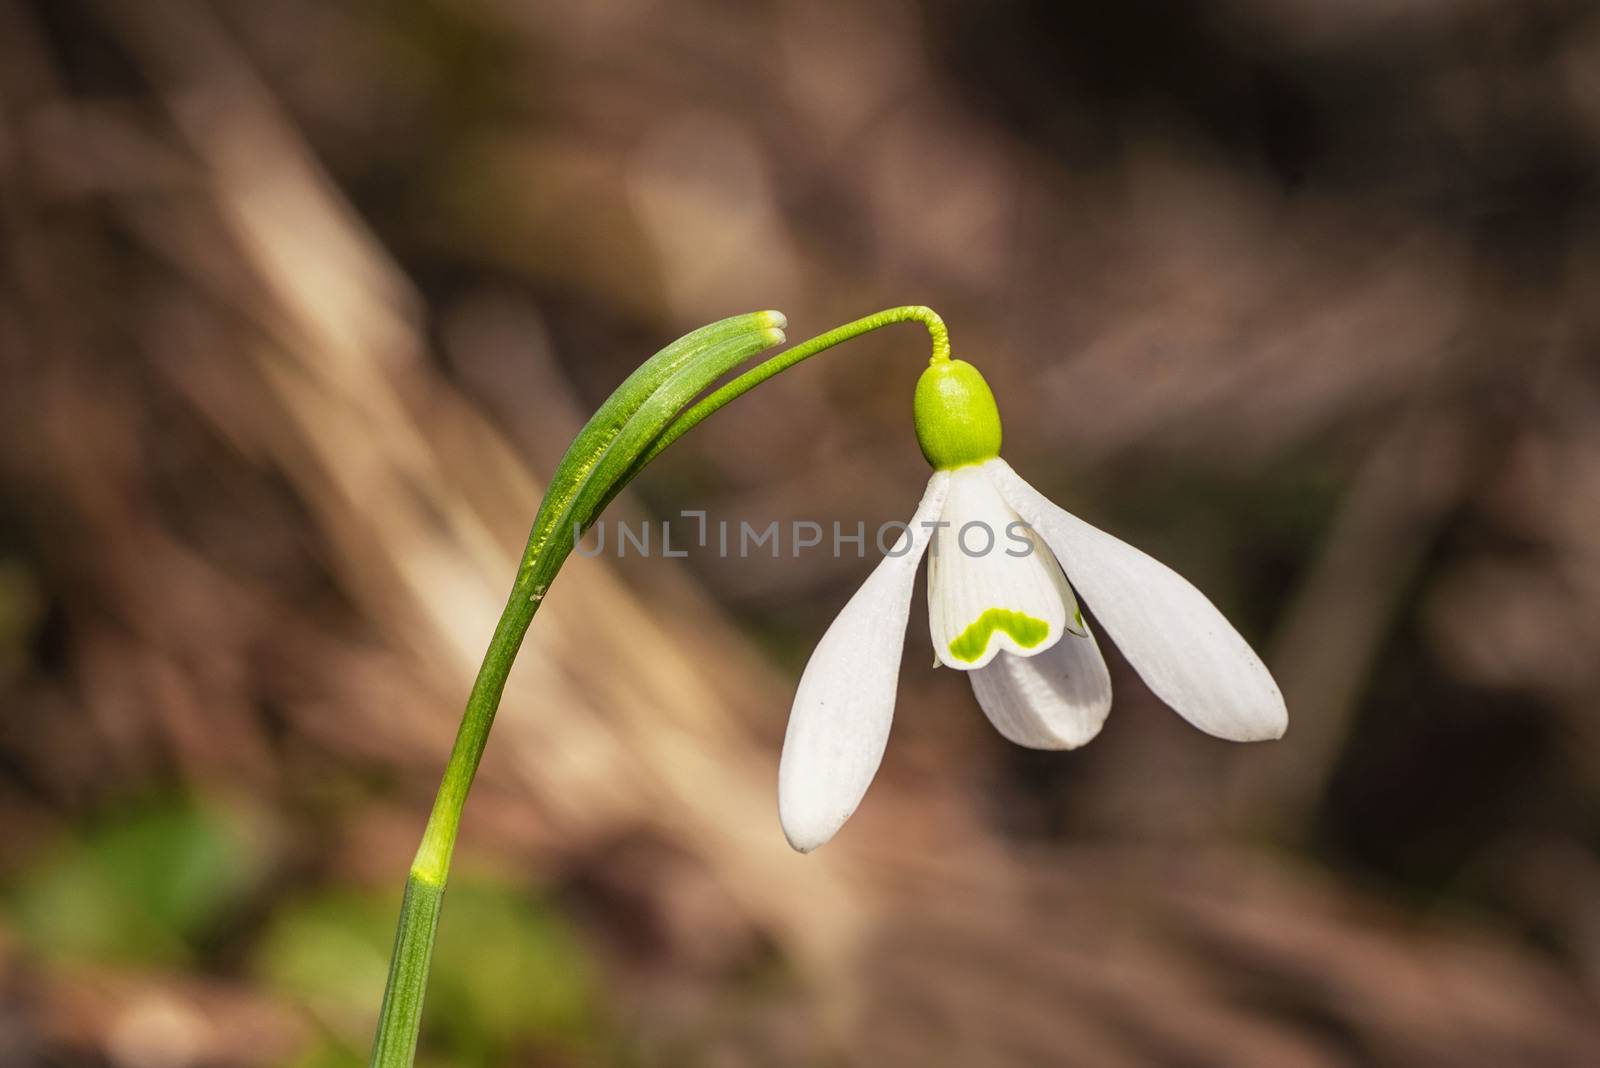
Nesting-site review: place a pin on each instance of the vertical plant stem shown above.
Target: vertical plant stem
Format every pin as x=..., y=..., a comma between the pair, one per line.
x=400, y=1017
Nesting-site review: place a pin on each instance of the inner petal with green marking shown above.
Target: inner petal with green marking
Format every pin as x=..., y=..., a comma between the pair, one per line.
x=1024, y=629
x=993, y=586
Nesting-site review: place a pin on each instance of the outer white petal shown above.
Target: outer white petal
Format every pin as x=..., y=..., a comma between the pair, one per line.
x=986, y=567
x=1056, y=700
x=1175, y=639
x=840, y=721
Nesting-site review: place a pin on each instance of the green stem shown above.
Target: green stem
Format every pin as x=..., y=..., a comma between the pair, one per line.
x=647, y=413
x=937, y=333
x=400, y=1019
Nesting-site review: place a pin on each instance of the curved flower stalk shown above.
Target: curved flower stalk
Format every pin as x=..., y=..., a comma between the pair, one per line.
x=654, y=407
x=1001, y=608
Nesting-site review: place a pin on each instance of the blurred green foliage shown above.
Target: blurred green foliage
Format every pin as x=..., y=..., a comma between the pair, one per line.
x=508, y=971
x=142, y=888
x=152, y=886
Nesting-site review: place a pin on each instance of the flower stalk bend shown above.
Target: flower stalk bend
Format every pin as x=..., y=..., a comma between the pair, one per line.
x=653, y=408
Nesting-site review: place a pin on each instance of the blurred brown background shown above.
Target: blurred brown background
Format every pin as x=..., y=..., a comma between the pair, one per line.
x=300, y=301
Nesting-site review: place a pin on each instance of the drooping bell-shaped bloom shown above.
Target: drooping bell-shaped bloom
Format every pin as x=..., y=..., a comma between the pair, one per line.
x=1003, y=565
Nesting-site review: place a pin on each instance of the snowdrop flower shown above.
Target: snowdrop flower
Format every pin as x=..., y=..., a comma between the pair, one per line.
x=1000, y=607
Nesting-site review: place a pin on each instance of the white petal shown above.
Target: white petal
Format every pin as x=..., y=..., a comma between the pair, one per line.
x=991, y=584
x=840, y=721
x=1056, y=700
x=1175, y=639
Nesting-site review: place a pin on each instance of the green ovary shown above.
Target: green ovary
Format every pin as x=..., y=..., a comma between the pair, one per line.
x=1025, y=630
